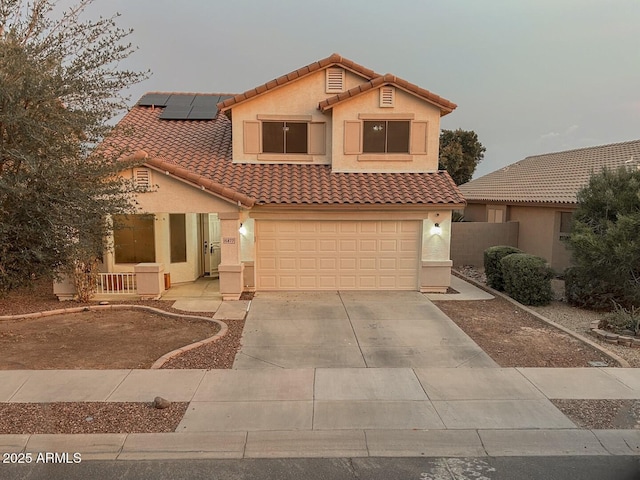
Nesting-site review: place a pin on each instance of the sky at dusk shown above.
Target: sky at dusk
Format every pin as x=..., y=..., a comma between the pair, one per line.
x=529, y=76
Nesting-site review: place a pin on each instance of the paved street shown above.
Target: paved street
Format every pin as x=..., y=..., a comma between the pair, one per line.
x=431, y=468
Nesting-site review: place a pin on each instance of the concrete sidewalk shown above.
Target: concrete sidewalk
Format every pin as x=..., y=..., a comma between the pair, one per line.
x=337, y=412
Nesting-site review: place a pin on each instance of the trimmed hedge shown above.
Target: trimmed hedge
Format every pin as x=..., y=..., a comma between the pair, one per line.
x=492, y=267
x=527, y=278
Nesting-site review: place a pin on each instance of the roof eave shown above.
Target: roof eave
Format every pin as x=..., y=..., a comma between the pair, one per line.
x=200, y=181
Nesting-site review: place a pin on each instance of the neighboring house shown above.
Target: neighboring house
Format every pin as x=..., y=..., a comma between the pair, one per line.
x=540, y=192
x=324, y=178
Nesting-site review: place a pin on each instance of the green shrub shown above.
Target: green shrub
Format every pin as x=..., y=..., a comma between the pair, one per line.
x=492, y=267
x=584, y=290
x=605, y=240
x=623, y=319
x=527, y=278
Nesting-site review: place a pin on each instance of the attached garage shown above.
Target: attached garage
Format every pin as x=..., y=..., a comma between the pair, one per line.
x=334, y=255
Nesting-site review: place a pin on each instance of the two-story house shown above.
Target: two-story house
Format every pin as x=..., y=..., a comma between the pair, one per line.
x=324, y=178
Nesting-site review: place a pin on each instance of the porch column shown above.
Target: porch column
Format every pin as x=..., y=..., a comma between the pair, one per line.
x=231, y=268
x=435, y=268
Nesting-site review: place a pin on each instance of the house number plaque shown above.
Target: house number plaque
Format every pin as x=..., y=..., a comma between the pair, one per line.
x=229, y=240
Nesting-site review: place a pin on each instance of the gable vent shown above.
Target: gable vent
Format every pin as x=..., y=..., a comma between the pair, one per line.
x=387, y=96
x=142, y=177
x=335, y=80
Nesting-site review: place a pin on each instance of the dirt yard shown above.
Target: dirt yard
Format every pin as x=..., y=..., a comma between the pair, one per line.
x=107, y=339
x=515, y=338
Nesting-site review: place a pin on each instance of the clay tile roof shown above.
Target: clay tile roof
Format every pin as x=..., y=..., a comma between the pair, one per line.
x=445, y=105
x=201, y=153
x=553, y=177
x=334, y=59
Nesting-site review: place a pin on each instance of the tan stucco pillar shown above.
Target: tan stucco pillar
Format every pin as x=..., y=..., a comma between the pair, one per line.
x=435, y=268
x=149, y=280
x=231, y=268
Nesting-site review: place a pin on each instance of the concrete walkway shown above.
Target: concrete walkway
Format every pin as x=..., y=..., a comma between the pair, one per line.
x=337, y=411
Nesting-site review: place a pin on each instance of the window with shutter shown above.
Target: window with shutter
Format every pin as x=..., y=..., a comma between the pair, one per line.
x=335, y=80
x=142, y=177
x=387, y=96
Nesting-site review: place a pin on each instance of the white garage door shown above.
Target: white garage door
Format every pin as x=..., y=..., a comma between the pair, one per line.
x=332, y=255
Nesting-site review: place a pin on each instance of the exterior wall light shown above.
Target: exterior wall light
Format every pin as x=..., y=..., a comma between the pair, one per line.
x=242, y=230
x=436, y=229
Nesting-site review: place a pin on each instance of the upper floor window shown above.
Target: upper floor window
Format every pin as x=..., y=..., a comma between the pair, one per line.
x=284, y=137
x=385, y=136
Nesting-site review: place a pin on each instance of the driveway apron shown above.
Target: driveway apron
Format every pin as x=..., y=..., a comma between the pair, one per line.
x=376, y=329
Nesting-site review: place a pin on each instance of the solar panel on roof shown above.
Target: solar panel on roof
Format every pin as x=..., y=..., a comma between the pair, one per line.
x=180, y=99
x=176, y=112
x=187, y=106
x=154, y=99
x=203, y=113
x=205, y=100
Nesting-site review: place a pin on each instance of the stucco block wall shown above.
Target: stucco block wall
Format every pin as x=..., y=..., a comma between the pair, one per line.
x=469, y=240
x=537, y=226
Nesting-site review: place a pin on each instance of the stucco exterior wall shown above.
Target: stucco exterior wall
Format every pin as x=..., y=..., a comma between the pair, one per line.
x=299, y=97
x=475, y=212
x=469, y=240
x=171, y=195
x=406, y=106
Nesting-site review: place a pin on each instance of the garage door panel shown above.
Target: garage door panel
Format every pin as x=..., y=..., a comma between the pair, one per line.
x=328, y=246
x=287, y=227
x=388, y=263
x=368, y=245
x=288, y=264
x=389, y=227
x=348, y=264
x=350, y=245
x=328, y=282
x=287, y=282
x=368, y=227
x=328, y=264
x=388, y=246
x=337, y=254
x=308, y=264
x=307, y=245
x=328, y=227
x=308, y=282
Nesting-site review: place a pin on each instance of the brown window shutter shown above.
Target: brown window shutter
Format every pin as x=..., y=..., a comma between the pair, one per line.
x=251, y=137
x=317, y=139
x=419, y=137
x=352, y=137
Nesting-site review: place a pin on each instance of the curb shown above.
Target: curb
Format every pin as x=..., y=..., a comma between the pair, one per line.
x=164, y=358
x=621, y=361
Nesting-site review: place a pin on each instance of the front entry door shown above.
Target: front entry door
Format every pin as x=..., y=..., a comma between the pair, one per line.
x=210, y=244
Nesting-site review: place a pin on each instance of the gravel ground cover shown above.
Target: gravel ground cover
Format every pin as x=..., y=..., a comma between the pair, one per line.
x=89, y=417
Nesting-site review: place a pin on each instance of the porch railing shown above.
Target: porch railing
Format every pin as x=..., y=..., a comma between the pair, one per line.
x=116, y=283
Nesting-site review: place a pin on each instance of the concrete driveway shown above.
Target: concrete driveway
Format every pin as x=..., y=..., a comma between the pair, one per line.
x=353, y=329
